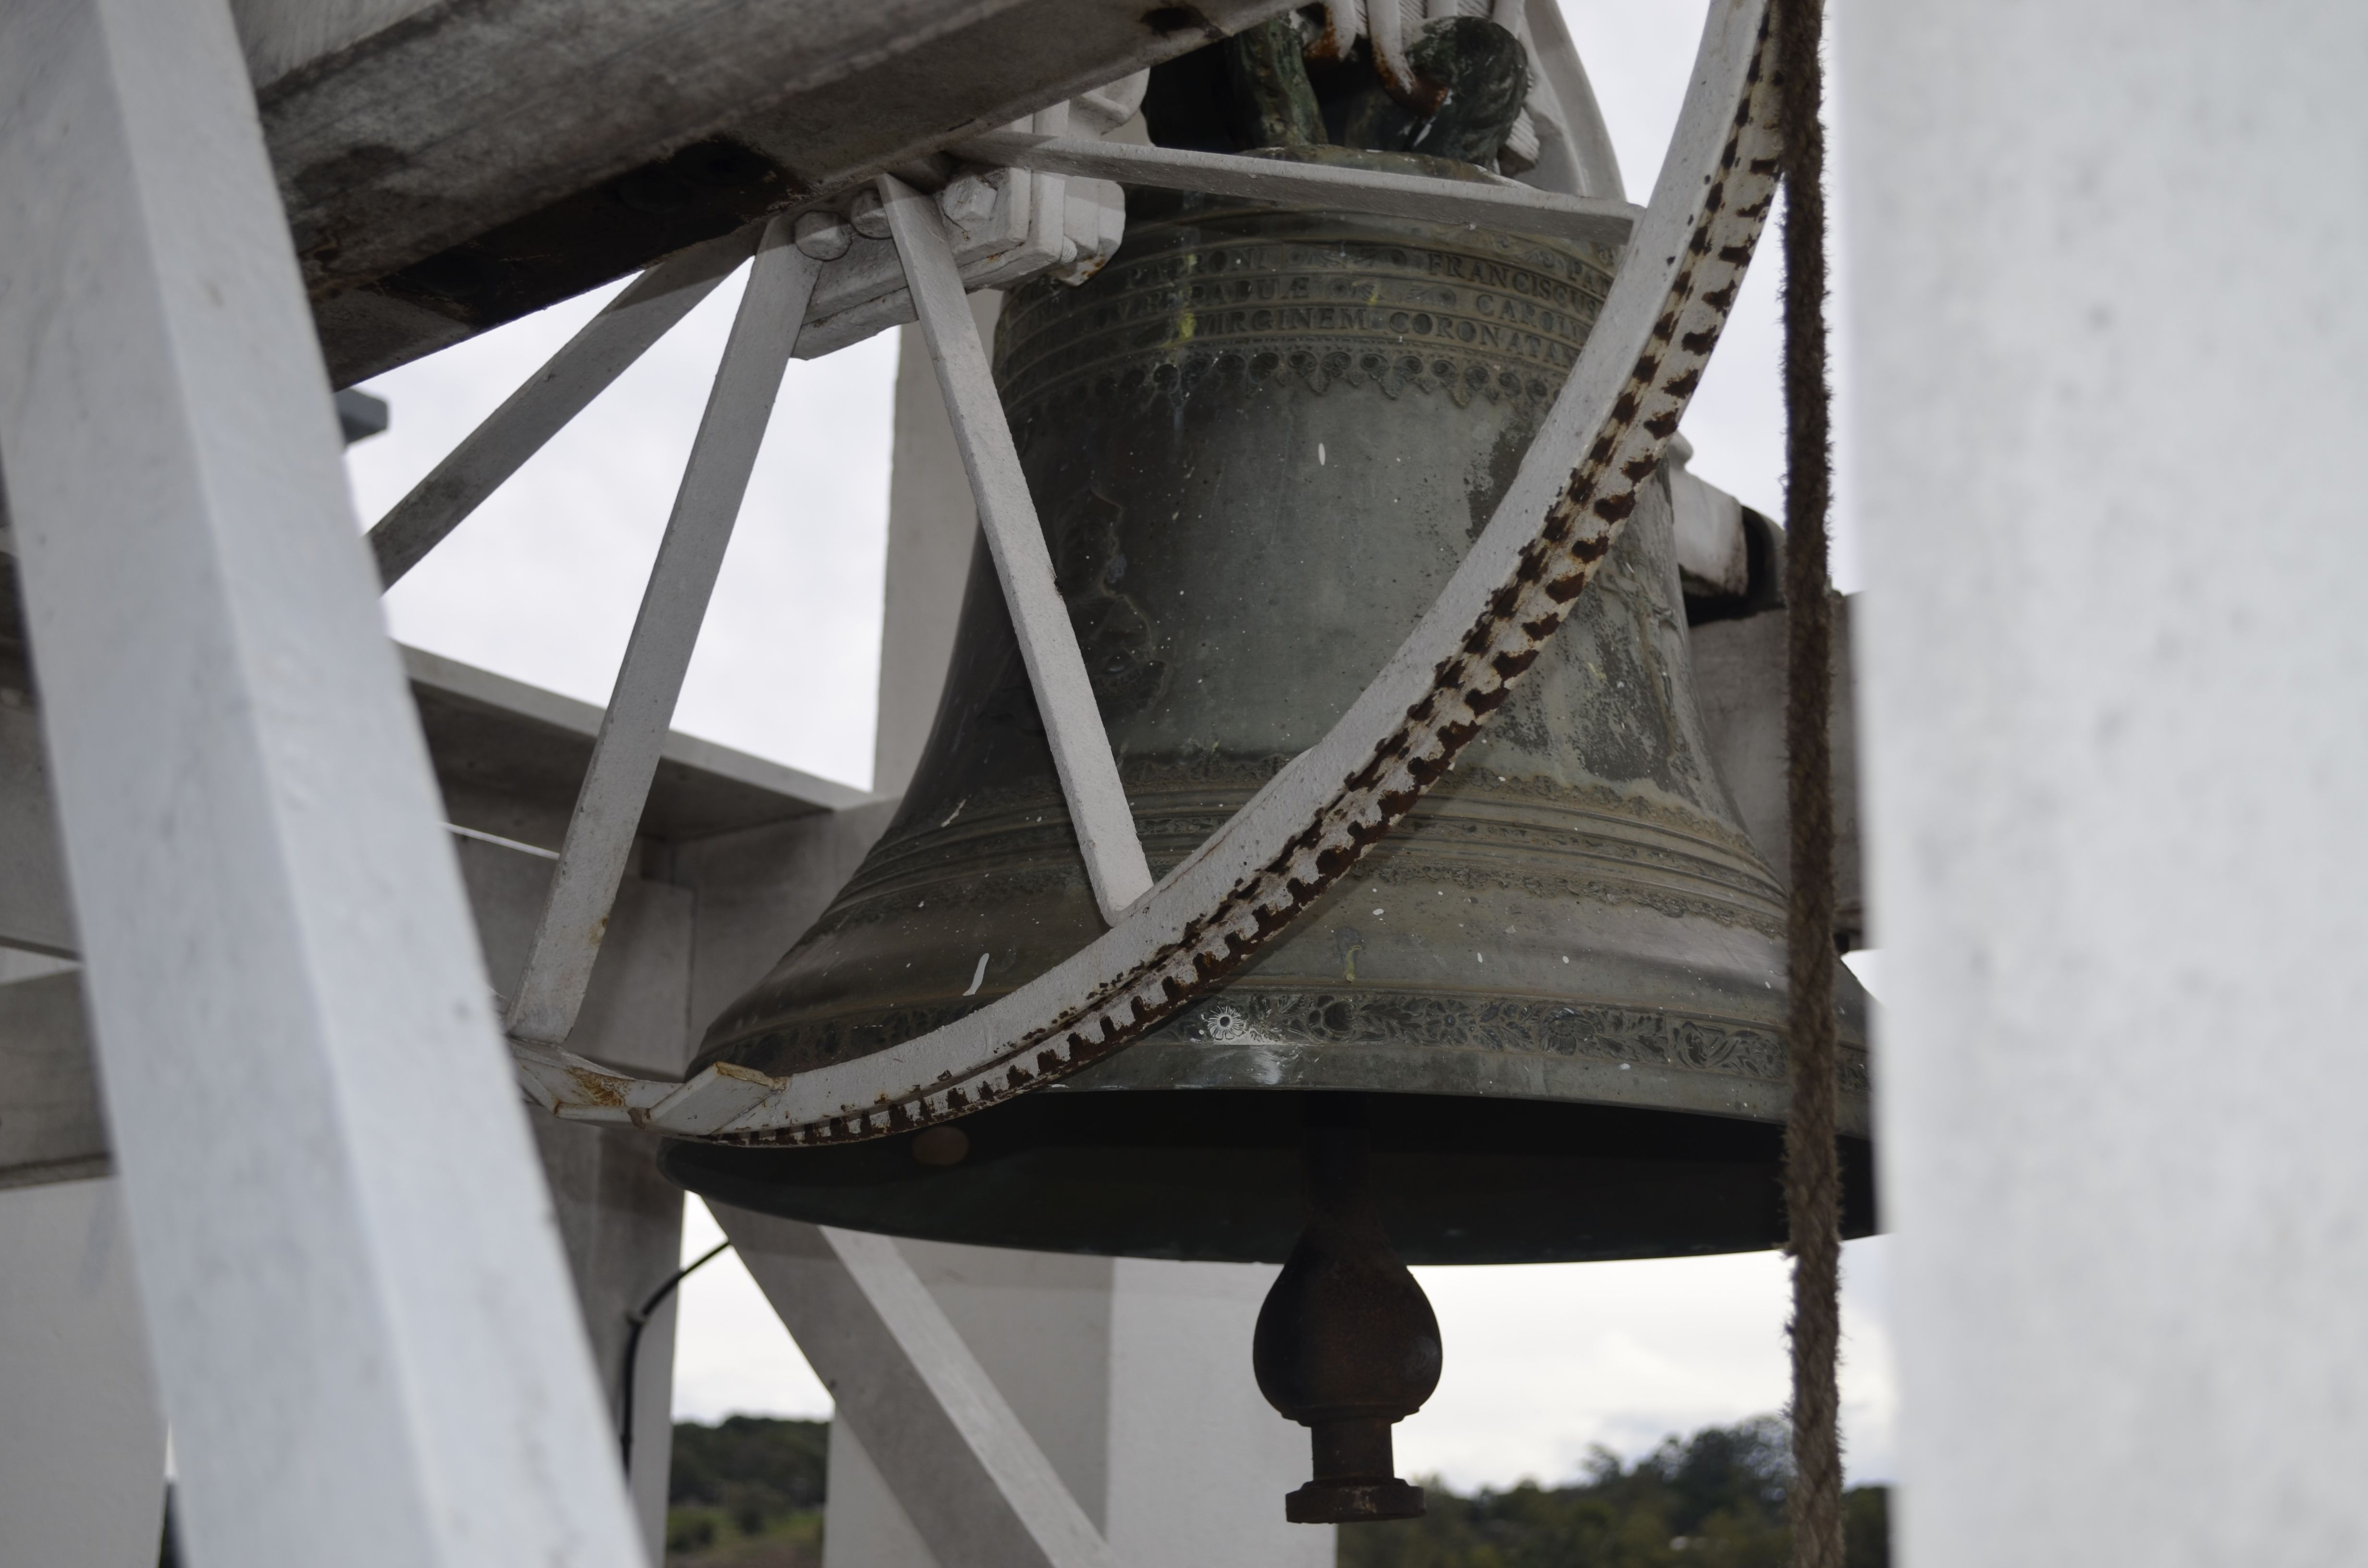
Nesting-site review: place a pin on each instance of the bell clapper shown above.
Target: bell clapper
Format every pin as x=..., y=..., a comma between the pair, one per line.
x=1347, y=1344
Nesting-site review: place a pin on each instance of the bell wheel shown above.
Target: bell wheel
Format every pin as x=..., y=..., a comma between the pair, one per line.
x=1658, y=282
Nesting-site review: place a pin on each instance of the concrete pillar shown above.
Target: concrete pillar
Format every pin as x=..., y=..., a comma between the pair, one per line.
x=2110, y=461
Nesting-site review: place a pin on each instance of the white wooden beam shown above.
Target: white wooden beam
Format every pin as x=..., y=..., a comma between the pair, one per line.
x=1048, y=642
x=515, y=130
x=1519, y=207
x=975, y=1483
x=362, y=1318
x=633, y=732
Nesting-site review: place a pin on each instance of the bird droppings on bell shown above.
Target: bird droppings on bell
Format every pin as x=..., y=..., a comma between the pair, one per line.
x=1260, y=442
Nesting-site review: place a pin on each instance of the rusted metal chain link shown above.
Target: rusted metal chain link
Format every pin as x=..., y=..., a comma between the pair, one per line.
x=1812, y=1166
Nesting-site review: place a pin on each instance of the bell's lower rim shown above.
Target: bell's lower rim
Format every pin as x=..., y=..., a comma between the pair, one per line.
x=1476, y=1044
x=1217, y=1175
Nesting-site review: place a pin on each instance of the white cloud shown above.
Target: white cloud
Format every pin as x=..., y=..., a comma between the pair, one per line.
x=1545, y=1362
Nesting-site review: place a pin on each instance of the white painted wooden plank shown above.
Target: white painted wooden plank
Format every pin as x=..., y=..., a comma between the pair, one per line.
x=974, y=1482
x=1516, y=207
x=606, y=347
x=1048, y=642
x=633, y=731
x=363, y=1328
x=719, y=1095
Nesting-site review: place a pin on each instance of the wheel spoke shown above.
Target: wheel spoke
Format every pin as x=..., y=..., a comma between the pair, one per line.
x=1048, y=642
x=1420, y=197
x=625, y=757
x=606, y=347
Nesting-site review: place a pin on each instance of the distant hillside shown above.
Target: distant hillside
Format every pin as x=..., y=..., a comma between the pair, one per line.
x=1714, y=1500
x=748, y=1492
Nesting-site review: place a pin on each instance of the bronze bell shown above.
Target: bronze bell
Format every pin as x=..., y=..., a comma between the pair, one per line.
x=1541, y=1021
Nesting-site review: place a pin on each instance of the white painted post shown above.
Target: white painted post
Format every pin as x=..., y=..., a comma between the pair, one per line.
x=1048, y=642
x=357, y=1304
x=2110, y=449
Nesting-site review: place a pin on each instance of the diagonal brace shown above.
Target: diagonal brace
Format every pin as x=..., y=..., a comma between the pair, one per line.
x=972, y=1479
x=626, y=757
x=1048, y=642
x=603, y=349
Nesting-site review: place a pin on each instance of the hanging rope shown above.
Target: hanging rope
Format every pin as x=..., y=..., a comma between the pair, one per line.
x=1812, y=1166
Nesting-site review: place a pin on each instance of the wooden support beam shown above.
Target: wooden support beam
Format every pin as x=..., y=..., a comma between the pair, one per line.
x=466, y=164
x=1494, y=205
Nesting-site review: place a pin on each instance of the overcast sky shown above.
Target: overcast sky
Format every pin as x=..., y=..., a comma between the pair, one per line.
x=542, y=584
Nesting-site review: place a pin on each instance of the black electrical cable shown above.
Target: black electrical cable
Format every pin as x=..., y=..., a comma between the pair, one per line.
x=638, y=1321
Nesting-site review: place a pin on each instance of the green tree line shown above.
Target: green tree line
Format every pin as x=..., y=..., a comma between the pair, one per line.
x=747, y=1493
x=1714, y=1500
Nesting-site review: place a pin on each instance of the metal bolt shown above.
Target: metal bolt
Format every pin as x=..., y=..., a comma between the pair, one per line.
x=824, y=236
x=968, y=203
x=869, y=214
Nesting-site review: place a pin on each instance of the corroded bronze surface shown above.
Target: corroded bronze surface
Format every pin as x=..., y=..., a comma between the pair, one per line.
x=1260, y=442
